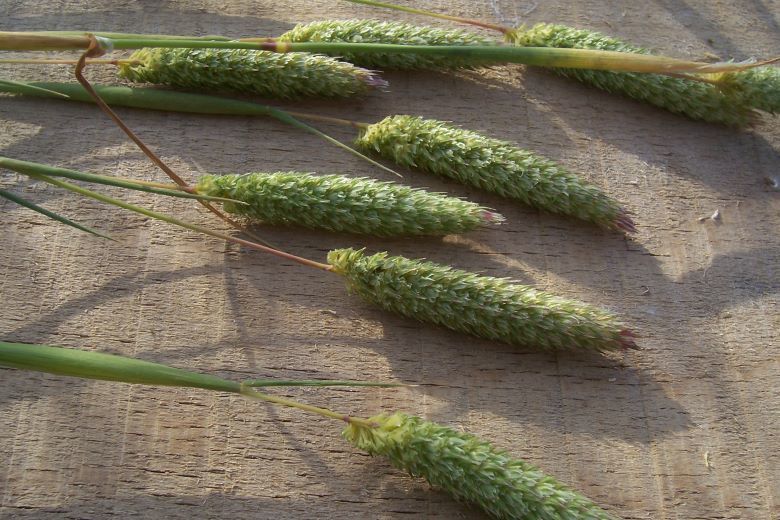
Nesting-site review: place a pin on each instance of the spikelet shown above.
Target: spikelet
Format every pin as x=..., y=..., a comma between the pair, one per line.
x=399, y=33
x=471, y=470
x=492, y=308
x=695, y=99
x=269, y=74
x=757, y=88
x=344, y=204
x=492, y=165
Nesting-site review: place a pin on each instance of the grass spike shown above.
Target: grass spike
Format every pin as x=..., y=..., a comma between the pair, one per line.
x=757, y=88
x=284, y=76
x=486, y=307
x=344, y=204
x=400, y=33
x=471, y=469
x=694, y=99
x=492, y=165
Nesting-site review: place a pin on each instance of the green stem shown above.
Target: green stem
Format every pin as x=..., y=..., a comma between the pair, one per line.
x=106, y=367
x=423, y=12
x=281, y=401
x=538, y=56
x=25, y=167
x=40, y=171
x=134, y=36
x=315, y=382
x=110, y=367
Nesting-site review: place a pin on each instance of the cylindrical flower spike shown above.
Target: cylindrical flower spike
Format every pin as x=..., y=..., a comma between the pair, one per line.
x=492, y=165
x=401, y=33
x=345, y=204
x=695, y=99
x=492, y=308
x=269, y=74
x=757, y=88
x=471, y=470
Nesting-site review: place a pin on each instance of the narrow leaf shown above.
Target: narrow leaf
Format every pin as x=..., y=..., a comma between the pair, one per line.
x=315, y=382
x=106, y=367
x=59, y=218
x=26, y=88
x=170, y=101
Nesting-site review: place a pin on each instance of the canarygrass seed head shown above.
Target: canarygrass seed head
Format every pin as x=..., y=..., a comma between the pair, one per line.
x=269, y=74
x=344, y=204
x=492, y=165
x=487, y=307
x=695, y=99
x=757, y=88
x=399, y=33
x=471, y=469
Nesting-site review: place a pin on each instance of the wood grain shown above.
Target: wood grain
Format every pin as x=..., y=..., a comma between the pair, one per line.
x=685, y=428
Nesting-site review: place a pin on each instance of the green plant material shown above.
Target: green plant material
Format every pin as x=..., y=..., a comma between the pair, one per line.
x=24, y=166
x=30, y=89
x=265, y=383
x=105, y=367
x=41, y=172
x=471, y=469
x=136, y=36
x=285, y=76
x=166, y=100
x=491, y=165
x=694, y=99
x=465, y=466
x=432, y=14
x=487, y=307
x=109, y=367
x=400, y=33
x=757, y=88
x=344, y=204
x=543, y=57
x=52, y=215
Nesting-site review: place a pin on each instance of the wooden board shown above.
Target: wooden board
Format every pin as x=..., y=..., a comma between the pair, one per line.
x=685, y=428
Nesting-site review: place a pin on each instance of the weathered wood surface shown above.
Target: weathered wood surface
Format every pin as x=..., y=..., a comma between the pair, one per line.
x=685, y=428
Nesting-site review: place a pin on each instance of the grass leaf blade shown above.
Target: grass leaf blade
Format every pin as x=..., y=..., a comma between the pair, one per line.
x=52, y=215
x=257, y=383
x=105, y=367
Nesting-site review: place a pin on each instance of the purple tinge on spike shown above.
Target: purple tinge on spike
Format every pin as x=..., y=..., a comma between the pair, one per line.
x=491, y=217
x=627, y=340
x=624, y=222
x=372, y=79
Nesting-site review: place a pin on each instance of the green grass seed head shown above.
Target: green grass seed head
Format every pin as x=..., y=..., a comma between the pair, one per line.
x=487, y=307
x=269, y=74
x=757, y=88
x=695, y=99
x=492, y=165
x=399, y=33
x=471, y=469
x=345, y=204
